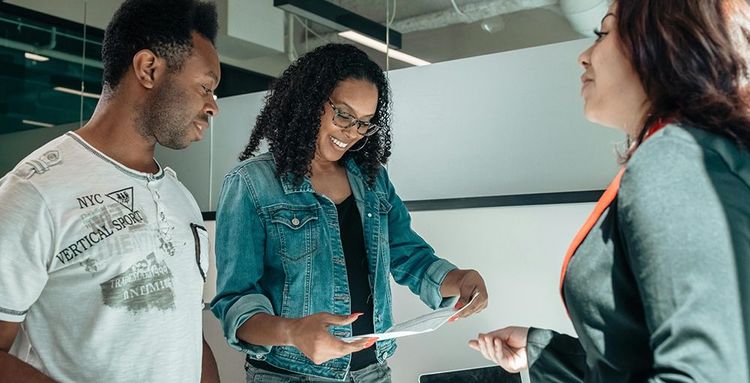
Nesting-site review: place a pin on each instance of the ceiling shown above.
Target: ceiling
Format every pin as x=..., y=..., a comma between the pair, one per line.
x=441, y=32
x=433, y=30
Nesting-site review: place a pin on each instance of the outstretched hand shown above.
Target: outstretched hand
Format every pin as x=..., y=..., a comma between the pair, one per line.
x=506, y=347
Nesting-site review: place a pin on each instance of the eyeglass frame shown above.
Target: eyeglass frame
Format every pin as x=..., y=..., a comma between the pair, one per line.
x=371, y=130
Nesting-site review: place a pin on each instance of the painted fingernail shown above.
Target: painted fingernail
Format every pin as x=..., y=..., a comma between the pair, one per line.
x=453, y=319
x=458, y=305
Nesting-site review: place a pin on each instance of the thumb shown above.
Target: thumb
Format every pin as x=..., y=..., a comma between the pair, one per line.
x=463, y=300
x=474, y=344
x=341, y=320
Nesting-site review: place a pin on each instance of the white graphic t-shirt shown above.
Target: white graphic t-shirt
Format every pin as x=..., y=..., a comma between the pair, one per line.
x=103, y=266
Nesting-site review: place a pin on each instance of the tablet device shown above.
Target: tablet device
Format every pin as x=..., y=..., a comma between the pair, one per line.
x=492, y=374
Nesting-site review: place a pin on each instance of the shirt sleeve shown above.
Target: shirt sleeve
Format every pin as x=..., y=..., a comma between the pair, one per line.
x=25, y=246
x=413, y=261
x=679, y=246
x=554, y=357
x=240, y=254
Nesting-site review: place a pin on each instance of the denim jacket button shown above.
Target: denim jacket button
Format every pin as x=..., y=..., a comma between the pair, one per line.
x=295, y=221
x=369, y=215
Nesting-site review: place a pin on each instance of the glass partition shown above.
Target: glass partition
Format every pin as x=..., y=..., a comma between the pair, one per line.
x=50, y=77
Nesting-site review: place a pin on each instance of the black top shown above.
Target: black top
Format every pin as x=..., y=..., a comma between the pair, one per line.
x=357, y=270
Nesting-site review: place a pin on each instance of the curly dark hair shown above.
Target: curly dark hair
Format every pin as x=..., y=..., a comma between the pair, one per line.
x=290, y=119
x=692, y=59
x=163, y=26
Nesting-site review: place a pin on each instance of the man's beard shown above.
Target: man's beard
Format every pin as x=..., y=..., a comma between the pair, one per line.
x=162, y=118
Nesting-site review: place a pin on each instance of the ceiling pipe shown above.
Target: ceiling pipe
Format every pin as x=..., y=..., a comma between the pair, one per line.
x=23, y=47
x=472, y=12
x=583, y=15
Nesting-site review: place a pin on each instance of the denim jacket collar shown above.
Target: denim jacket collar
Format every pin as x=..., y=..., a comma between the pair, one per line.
x=289, y=186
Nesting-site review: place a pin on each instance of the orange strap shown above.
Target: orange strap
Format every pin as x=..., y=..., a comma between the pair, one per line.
x=604, y=202
x=602, y=205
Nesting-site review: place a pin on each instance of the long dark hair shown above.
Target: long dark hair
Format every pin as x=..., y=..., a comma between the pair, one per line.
x=692, y=59
x=290, y=119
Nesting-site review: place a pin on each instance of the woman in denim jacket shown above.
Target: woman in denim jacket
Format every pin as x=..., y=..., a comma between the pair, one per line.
x=308, y=233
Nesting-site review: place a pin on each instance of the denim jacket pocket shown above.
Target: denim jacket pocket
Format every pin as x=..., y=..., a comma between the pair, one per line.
x=385, y=206
x=297, y=229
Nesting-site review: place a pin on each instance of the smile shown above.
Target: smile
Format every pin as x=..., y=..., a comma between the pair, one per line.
x=340, y=144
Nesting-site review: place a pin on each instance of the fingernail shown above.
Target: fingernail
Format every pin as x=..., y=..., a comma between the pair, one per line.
x=356, y=314
x=453, y=319
x=458, y=305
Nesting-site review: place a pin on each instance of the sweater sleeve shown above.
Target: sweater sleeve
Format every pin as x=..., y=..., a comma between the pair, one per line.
x=554, y=357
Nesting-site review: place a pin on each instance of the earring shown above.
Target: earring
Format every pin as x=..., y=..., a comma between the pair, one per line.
x=361, y=146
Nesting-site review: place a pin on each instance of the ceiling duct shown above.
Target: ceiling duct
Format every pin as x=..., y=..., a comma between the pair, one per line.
x=584, y=15
x=470, y=13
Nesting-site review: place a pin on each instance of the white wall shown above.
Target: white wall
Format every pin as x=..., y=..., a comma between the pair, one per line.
x=500, y=124
x=193, y=166
x=518, y=250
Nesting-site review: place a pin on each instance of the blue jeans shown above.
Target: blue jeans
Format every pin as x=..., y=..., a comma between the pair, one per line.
x=374, y=373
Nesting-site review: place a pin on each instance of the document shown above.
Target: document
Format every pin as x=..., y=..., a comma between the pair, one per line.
x=419, y=325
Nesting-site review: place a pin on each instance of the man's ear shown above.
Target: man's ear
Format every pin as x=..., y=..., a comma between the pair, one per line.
x=147, y=67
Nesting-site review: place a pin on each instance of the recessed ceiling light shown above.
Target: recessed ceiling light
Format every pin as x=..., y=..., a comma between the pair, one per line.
x=339, y=19
x=35, y=57
x=375, y=44
x=77, y=92
x=37, y=123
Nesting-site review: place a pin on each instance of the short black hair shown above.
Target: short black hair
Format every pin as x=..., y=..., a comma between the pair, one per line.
x=163, y=26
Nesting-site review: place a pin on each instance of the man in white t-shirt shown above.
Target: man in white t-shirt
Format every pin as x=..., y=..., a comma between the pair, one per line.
x=103, y=254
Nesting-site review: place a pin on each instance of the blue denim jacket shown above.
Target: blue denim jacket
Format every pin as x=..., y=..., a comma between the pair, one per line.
x=278, y=251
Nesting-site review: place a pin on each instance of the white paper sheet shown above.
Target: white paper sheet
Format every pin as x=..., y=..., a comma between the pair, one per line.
x=419, y=325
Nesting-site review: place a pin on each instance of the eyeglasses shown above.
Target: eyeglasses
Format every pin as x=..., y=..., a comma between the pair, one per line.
x=345, y=120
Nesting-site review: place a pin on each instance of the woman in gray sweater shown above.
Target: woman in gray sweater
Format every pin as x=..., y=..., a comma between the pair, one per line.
x=656, y=282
